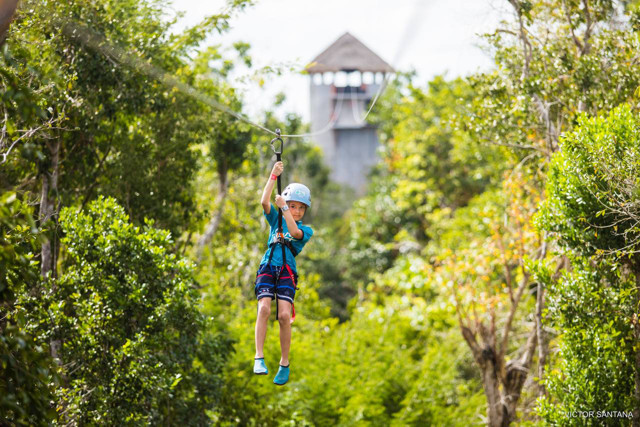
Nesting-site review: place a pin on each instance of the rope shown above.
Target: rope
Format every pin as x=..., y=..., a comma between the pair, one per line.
x=99, y=43
x=410, y=29
x=328, y=126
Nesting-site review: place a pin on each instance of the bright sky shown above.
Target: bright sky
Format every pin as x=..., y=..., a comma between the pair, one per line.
x=431, y=36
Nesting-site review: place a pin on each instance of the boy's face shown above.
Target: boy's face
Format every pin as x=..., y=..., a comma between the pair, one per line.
x=297, y=210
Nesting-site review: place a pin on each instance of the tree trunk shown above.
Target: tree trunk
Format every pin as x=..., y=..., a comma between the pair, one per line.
x=502, y=391
x=213, y=225
x=517, y=371
x=487, y=361
x=7, y=10
x=496, y=410
x=48, y=211
x=542, y=345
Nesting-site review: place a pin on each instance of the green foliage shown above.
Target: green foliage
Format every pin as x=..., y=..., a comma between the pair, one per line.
x=356, y=372
x=18, y=242
x=367, y=371
x=25, y=111
x=226, y=139
x=134, y=345
x=27, y=371
x=554, y=63
x=123, y=133
x=595, y=366
x=446, y=390
x=142, y=336
x=451, y=231
x=430, y=168
x=369, y=232
x=592, y=186
x=438, y=165
x=564, y=60
x=590, y=209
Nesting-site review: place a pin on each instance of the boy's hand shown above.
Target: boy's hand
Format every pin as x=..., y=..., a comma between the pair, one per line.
x=280, y=201
x=277, y=168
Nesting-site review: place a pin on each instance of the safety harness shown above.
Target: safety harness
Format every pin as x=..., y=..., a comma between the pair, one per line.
x=280, y=240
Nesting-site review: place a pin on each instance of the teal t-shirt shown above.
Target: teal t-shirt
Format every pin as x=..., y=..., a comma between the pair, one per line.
x=298, y=244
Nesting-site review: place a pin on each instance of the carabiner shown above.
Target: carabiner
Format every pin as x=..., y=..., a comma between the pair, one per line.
x=277, y=138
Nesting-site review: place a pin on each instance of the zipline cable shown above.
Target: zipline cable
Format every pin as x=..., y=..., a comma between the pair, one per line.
x=99, y=43
x=411, y=29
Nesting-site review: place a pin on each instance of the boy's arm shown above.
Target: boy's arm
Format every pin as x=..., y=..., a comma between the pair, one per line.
x=266, y=196
x=265, y=201
x=292, y=226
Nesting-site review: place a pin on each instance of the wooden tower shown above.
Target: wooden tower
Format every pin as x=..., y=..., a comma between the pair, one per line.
x=344, y=79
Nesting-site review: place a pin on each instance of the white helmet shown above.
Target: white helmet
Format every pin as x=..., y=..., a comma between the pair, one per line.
x=297, y=193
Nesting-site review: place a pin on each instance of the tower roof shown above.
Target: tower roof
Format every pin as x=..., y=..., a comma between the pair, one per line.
x=348, y=53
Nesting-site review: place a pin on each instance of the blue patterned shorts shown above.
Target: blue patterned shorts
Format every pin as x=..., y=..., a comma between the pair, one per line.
x=265, y=283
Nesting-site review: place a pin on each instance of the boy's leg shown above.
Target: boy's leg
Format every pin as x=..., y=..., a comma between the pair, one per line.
x=284, y=318
x=264, y=309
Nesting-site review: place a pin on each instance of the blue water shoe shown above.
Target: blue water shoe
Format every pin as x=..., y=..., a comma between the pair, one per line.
x=282, y=376
x=259, y=367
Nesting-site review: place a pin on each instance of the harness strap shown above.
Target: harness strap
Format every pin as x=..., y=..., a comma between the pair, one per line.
x=293, y=280
x=286, y=243
x=284, y=262
x=283, y=243
x=280, y=235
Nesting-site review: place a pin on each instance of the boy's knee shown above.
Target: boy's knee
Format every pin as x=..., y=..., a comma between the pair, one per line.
x=284, y=317
x=264, y=309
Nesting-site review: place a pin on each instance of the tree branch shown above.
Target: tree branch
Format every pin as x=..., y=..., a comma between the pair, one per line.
x=28, y=134
x=587, y=33
x=512, y=312
x=573, y=34
x=213, y=225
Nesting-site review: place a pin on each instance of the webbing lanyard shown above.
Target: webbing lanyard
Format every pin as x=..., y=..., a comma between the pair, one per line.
x=280, y=232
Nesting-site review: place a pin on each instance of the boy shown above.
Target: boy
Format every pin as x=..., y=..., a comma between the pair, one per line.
x=294, y=201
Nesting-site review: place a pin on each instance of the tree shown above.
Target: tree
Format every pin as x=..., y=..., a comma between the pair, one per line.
x=117, y=126
x=554, y=60
x=485, y=260
x=27, y=371
x=429, y=168
x=437, y=165
x=592, y=210
x=134, y=346
x=228, y=139
x=552, y=64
